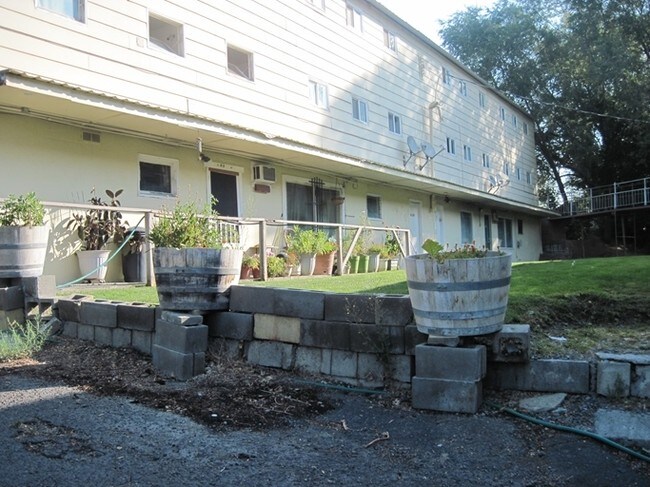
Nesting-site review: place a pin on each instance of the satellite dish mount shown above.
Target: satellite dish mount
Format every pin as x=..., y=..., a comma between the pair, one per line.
x=414, y=149
x=429, y=153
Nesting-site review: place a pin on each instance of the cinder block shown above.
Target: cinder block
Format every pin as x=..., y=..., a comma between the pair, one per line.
x=39, y=309
x=271, y=354
x=633, y=358
x=393, y=310
x=326, y=361
x=454, y=396
x=371, y=369
x=98, y=313
x=173, y=364
x=325, y=334
x=69, y=309
x=185, y=319
x=613, y=378
x=85, y=332
x=142, y=341
x=70, y=329
x=370, y=338
x=511, y=344
x=12, y=298
x=343, y=364
x=136, y=317
x=641, y=381
x=121, y=338
x=181, y=338
x=451, y=363
x=401, y=368
x=550, y=375
x=225, y=324
x=309, y=359
x=350, y=308
x=412, y=338
x=250, y=299
x=299, y=304
x=41, y=287
x=278, y=328
x=103, y=335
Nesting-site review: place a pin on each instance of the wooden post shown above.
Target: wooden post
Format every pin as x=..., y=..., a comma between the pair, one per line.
x=148, y=248
x=263, y=267
x=339, y=251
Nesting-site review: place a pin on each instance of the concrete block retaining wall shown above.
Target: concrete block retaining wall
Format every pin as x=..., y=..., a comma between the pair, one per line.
x=364, y=340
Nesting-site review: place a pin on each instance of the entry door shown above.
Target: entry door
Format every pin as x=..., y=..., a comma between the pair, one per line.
x=223, y=186
x=414, y=225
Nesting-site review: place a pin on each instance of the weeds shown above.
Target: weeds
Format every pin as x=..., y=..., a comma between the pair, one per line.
x=21, y=340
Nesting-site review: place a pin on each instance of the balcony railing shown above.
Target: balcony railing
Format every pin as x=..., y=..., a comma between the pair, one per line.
x=617, y=196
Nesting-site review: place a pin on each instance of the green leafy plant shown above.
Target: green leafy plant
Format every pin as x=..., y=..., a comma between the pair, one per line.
x=251, y=261
x=97, y=226
x=324, y=244
x=301, y=241
x=392, y=245
x=275, y=266
x=24, y=210
x=438, y=252
x=187, y=226
x=21, y=340
x=377, y=249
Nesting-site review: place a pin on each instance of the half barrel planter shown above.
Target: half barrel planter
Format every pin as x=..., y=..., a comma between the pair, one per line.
x=195, y=279
x=22, y=250
x=459, y=297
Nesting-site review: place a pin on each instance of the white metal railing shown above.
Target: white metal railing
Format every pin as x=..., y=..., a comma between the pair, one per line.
x=625, y=195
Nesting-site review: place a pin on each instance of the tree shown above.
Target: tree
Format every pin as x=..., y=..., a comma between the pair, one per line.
x=581, y=68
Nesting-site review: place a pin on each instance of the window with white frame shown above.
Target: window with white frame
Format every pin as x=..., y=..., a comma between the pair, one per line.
x=73, y=9
x=240, y=62
x=157, y=176
x=502, y=113
x=504, y=232
x=390, y=40
x=518, y=173
x=446, y=76
x=394, y=123
x=515, y=122
x=166, y=35
x=525, y=128
x=451, y=145
x=318, y=94
x=373, y=206
x=506, y=169
x=360, y=110
x=486, y=160
x=467, y=153
x=466, y=231
x=354, y=18
x=529, y=177
x=481, y=99
x=462, y=87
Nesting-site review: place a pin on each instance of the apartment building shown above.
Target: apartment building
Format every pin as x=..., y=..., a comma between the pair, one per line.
x=307, y=110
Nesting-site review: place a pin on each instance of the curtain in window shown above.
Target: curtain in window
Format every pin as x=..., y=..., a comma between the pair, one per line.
x=311, y=203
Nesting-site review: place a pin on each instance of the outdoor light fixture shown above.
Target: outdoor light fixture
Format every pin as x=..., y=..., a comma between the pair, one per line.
x=199, y=147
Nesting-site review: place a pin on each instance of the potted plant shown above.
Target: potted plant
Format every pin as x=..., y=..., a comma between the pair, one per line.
x=23, y=236
x=458, y=292
x=374, y=253
x=193, y=269
x=250, y=266
x=134, y=263
x=325, y=253
x=392, y=250
x=97, y=227
x=275, y=266
x=303, y=243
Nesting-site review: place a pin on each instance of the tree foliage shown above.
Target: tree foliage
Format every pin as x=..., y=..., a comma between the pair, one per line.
x=581, y=68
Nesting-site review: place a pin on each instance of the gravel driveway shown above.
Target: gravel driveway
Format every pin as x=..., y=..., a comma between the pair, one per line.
x=55, y=435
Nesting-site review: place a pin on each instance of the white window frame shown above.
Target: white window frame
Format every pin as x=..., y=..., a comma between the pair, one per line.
x=446, y=76
x=354, y=18
x=451, y=146
x=377, y=199
x=173, y=174
x=174, y=46
x=481, y=99
x=504, y=233
x=467, y=153
x=485, y=160
x=502, y=113
x=462, y=87
x=390, y=41
x=394, y=123
x=318, y=94
x=234, y=68
x=360, y=110
x=72, y=9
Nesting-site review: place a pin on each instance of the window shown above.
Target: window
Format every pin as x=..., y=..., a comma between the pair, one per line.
x=446, y=76
x=354, y=18
x=318, y=94
x=467, y=153
x=481, y=99
x=451, y=145
x=466, y=235
x=394, y=123
x=514, y=120
x=486, y=160
x=373, y=206
x=504, y=230
x=502, y=113
x=525, y=128
x=462, y=87
x=518, y=173
x=73, y=9
x=360, y=110
x=312, y=202
x=166, y=35
x=529, y=178
x=520, y=227
x=390, y=41
x=506, y=169
x=158, y=176
x=240, y=62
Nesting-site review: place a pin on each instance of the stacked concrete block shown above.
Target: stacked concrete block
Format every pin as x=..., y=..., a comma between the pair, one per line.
x=449, y=378
x=180, y=343
x=623, y=374
x=12, y=306
x=136, y=325
x=40, y=296
x=550, y=375
x=511, y=344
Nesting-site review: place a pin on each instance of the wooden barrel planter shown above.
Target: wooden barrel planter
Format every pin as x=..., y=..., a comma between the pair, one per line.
x=459, y=297
x=22, y=251
x=195, y=279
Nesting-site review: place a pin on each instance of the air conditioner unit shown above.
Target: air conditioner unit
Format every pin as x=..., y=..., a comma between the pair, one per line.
x=263, y=174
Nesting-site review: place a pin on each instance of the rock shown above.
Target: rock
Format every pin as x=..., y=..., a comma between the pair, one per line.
x=541, y=404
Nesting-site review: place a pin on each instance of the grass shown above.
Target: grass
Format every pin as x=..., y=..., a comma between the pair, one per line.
x=20, y=341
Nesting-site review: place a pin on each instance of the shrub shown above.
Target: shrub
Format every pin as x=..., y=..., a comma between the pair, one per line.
x=21, y=341
x=97, y=226
x=25, y=211
x=185, y=226
x=275, y=266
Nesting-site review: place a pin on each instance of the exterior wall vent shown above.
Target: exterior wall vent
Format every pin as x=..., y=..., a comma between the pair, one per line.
x=263, y=174
x=91, y=137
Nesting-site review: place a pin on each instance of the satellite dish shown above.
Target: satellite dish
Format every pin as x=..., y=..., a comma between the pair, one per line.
x=493, y=181
x=413, y=145
x=428, y=150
